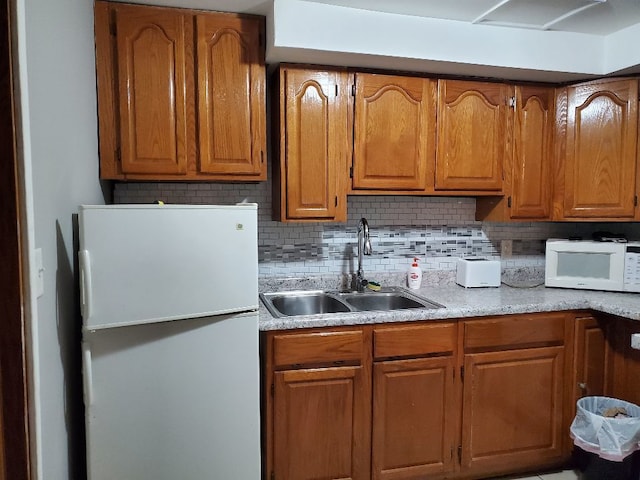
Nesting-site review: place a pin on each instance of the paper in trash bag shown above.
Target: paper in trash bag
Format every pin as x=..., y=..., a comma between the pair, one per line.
x=609, y=438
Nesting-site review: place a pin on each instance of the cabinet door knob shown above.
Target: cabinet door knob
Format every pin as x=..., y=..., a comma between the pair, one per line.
x=582, y=386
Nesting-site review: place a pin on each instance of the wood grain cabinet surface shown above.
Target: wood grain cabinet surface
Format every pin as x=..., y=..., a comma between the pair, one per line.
x=599, y=122
x=528, y=165
x=318, y=413
x=591, y=357
x=181, y=94
x=624, y=373
x=469, y=398
x=394, y=138
x=415, y=412
x=472, y=135
x=456, y=399
x=513, y=393
x=313, y=143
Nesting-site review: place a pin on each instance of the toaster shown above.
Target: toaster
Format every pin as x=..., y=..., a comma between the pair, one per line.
x=478, y=272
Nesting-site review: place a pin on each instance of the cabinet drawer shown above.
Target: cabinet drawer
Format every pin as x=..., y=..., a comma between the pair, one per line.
x=514, y=332
x=413, y=340
x=318, y=348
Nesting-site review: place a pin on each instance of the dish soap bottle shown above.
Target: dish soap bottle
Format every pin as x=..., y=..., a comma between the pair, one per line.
x=414, y=275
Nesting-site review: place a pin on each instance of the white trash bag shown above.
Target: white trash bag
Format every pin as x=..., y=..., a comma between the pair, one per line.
x=611, y=438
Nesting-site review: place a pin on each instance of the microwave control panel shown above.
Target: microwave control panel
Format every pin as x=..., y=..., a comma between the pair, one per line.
x=632, y=268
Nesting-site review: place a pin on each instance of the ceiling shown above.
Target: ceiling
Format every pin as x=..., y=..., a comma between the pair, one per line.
x=598, y=17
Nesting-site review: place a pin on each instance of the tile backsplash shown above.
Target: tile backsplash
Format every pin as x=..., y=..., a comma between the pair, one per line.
x=437, y=230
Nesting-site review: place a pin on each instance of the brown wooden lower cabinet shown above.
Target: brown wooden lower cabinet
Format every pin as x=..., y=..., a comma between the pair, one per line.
x=413, y=415
x=317, y=404
x=320, y=418
x=513, y=393
x=468, y=399
x=512, y=409
x=415, y=408
x=624, y=380
x=590, y=357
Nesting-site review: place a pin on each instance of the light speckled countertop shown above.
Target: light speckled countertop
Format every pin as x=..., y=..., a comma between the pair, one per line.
x=471, y=302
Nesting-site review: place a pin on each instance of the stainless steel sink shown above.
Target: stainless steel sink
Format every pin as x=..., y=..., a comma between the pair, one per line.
x=293, y=303
x=385, y=301
x=285, y=304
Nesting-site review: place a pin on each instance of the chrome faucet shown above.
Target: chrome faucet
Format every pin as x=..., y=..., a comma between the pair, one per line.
x=364, y=248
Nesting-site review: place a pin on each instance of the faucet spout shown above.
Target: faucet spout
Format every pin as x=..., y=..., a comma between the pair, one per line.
x=364, y=248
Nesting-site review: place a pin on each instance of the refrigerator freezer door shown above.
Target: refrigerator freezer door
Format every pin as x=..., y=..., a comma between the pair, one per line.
x=174, y=400
x=151, y=263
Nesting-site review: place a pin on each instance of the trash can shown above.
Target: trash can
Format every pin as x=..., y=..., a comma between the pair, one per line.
x=608, y=431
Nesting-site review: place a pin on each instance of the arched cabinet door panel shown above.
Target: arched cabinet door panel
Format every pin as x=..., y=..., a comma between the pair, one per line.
x=394, y=126
x=230, y=95
x=312, y=138
x=531, y=170
x=472, y=135
x=151, y=76
x=600, y=160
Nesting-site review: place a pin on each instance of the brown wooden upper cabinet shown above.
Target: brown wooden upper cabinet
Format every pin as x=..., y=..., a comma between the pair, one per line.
x=472, y=135
x=154, y=123
x=314, y=144
x=600, y=122
x=394, y=137
x=528, y=163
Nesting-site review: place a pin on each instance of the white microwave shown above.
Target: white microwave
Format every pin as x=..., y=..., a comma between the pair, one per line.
x=593, y=265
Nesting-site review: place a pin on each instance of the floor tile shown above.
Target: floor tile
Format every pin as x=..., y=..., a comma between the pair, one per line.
x=564, y=475
x=535, y=477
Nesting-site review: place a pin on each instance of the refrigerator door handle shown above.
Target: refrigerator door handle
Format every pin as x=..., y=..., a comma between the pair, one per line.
x=85, y=283
x=87, y=375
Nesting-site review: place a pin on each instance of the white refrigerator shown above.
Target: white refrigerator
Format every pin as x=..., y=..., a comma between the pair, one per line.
x=169, y=297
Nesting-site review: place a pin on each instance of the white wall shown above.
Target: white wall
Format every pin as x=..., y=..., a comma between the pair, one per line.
x=58, y=104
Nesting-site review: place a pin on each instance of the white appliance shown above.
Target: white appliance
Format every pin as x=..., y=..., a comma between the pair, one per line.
x=478, y=272
x=593, y=265
x=169, y=297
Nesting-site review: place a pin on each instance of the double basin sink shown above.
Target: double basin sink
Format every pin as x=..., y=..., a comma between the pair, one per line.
x=311, y=302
